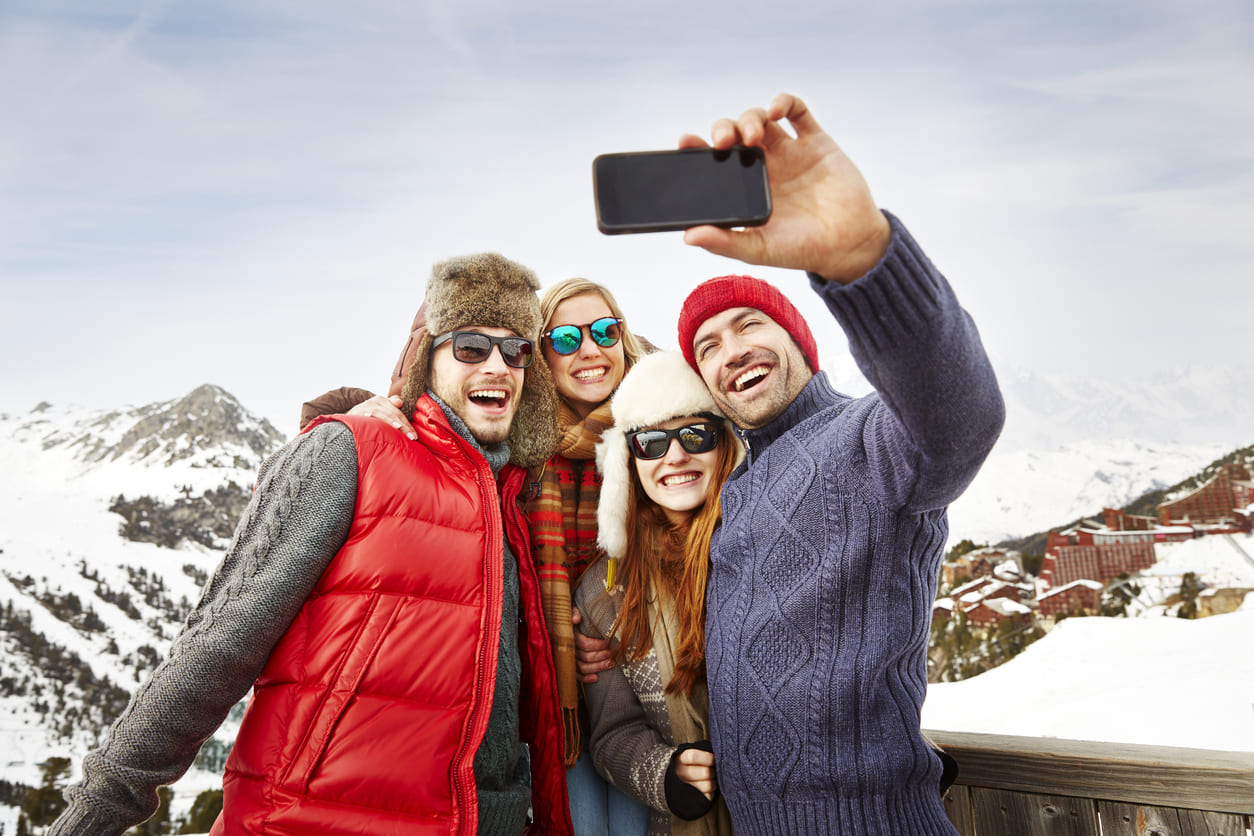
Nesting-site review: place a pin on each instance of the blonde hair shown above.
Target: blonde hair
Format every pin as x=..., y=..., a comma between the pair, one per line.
x=633, y=349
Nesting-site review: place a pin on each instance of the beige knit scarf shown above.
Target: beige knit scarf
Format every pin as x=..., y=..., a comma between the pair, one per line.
x=689, y=716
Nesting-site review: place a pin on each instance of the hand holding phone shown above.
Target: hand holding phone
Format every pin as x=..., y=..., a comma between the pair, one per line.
x=823, y=217
x=659, y=191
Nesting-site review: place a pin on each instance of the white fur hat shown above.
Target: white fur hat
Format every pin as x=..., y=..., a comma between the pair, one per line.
x=659, y=387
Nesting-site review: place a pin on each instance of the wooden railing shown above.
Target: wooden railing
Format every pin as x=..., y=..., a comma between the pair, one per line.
x=1029, y=786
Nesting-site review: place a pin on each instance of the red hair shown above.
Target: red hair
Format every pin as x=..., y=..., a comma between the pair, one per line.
x=673, y=562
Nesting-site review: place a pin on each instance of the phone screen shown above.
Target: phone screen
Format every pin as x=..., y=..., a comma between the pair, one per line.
x=656, y=191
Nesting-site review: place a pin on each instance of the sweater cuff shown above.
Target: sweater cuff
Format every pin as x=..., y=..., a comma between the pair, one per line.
x=899, y=297
x=685, y=800
x=76, y=819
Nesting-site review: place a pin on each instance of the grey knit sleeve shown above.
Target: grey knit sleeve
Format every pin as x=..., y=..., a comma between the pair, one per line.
x=629, y=744
x=298, y=518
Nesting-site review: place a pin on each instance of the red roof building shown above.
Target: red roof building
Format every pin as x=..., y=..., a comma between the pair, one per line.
x=993, y=611
x=1217, y=502
x=1075, y=555
x=1070, y=598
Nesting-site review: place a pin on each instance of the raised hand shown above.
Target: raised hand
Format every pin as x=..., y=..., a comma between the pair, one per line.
x=823, y=217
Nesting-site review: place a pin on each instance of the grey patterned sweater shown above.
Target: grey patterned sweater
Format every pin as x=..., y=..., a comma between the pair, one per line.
x=296, y=522
x=630, y=731
x=824, y=569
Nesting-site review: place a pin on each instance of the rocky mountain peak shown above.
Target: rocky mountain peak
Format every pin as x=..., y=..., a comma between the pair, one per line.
x=206, y=419
x=207, y=427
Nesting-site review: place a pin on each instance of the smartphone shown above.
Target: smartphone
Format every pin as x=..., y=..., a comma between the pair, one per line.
x=659, y=191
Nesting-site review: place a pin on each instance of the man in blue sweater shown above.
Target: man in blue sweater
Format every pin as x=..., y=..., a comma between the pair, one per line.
x=824, y=569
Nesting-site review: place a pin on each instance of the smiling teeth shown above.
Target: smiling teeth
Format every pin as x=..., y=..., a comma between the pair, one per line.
x=748, y=377
x=490, y=393
x=679, y=479
x=589, y=374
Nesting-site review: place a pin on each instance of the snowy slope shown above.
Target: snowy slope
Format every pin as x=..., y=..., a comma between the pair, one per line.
x=1152, y=680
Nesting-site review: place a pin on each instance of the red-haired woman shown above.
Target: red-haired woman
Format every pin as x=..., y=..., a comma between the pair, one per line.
x=663, y=462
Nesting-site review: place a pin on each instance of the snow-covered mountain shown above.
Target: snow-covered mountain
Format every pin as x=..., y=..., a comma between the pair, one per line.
x=1072, y=446
x=1188, y=405
x=1022, y=492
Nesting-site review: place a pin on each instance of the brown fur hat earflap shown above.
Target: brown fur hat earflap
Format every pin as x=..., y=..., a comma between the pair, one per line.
x=489, y=290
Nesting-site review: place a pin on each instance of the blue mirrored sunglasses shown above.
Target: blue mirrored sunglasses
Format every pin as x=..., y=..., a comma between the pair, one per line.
x=566, y=339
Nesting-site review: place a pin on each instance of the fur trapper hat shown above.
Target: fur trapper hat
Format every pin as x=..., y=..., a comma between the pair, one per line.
x=491, y=291
x=659, y=387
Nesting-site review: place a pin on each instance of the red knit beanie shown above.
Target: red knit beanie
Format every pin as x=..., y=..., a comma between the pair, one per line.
x=719, y=294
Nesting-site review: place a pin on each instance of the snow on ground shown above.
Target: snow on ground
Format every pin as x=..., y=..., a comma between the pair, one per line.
x=1153, y=680
x=1225, y=561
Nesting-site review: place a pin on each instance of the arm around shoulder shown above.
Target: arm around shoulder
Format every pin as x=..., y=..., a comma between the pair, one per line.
x=334, y=402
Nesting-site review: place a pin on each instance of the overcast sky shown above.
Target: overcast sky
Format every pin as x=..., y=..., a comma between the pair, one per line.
x=251, y=192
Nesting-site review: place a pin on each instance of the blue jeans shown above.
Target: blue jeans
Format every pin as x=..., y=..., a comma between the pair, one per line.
x=598, y=808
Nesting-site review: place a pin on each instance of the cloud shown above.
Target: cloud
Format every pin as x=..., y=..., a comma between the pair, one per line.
x=264, y=185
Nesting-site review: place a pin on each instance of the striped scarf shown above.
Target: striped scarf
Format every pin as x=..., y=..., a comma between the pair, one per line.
x=563, y=524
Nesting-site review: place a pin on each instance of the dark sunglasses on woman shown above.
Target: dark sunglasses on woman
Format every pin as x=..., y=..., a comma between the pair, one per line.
x=653, y=444
x=473, y=348
x=566, y=339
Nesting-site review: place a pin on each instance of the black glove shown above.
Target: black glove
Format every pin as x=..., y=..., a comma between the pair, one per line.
x=685, y=800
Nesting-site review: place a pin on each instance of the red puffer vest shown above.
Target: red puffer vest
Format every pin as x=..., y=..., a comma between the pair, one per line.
x=368, y=714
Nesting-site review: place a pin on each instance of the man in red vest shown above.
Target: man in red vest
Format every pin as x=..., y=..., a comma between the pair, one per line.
x=380, y=601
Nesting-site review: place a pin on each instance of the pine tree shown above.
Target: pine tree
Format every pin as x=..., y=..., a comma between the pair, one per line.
x=1120, y=592
x=205, y=810
x=1190, y=586
x=44, y=803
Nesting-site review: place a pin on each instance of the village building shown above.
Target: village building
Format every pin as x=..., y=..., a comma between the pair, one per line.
x=1118, y=520
x=991, y=612
x=989, y=590
x=1221, y=505
x=1071, y=598
x=1077, y=554
x=987, y=561
x=986, y=601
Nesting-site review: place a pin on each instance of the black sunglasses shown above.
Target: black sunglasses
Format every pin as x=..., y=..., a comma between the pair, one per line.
x=653, y=444
x=566, y=339
x=472, y=347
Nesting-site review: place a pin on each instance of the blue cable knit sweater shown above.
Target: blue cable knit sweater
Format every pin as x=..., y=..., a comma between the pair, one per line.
x=824, y=570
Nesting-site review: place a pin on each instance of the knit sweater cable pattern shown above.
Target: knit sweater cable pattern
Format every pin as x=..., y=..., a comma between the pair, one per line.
x=825, y=567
